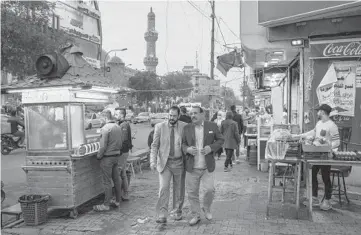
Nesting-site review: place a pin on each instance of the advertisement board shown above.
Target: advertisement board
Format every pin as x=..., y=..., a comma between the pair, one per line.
x=209, y=87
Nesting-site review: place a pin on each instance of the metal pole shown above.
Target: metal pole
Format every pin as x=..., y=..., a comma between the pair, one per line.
x=300, y=117
x=106, y=55
x=244, y=87
x=212, y=53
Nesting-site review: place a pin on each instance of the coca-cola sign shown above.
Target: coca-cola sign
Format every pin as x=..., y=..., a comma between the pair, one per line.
x=336, y=49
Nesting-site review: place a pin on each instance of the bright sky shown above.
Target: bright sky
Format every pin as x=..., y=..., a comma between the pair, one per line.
x=182, y=31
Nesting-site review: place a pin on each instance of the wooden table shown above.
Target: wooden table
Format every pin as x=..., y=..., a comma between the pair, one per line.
x=271, y=180
x=321, y=162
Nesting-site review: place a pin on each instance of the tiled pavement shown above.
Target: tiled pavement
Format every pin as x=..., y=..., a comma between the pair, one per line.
x=239, y=208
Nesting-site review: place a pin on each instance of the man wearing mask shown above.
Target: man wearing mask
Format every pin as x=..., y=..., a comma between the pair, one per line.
x=239, y=120
x=167, y=158
x=184, y=117
x=201, y=139
x=109, y=154
x=325, y=132
x=126, y=147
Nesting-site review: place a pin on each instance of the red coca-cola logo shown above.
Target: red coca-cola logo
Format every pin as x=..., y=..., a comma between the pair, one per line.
x=350, y=49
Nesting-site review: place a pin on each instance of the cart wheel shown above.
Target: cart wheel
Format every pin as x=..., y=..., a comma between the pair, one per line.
x=73, y=213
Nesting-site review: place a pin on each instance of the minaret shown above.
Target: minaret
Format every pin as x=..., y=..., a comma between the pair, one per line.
x=151, y=36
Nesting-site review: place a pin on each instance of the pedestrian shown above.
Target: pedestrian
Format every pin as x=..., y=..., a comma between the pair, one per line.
x=15, y=121
x=184, y=116
x=229, y=130
x=200, y=141
x=239, y=120
x=220, y=118
x=167, y=158
x=150, y=136
x=325, y=132
x=109, y=154
x=126, y=147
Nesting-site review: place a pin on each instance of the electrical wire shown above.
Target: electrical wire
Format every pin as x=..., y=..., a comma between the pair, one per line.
x=198, y=9
x=230, y=28
x=220, y=30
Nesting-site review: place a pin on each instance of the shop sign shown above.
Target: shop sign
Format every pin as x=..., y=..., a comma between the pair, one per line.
x=85, y=36
x=338, y=88
x=45, y=96
x=93, y=62
x=358, y=76
x=336, y=49
x=209, y=87
x=342, y=121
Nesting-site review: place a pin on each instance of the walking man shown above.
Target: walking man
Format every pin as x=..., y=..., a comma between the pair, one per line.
x=108, y=154
x=201, y=139
x=167, y=158
x=239, y=120
x=229, y=130
x=126, y=147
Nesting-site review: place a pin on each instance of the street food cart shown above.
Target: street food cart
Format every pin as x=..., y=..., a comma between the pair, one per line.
x=60, y=154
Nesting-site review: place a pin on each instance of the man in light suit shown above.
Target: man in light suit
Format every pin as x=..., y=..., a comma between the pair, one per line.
x=167, y=158
x=201, y=139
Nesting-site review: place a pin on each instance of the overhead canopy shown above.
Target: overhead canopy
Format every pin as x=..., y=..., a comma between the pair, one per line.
x=80, y=74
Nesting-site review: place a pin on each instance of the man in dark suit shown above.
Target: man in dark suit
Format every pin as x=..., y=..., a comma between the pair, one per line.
x=184, y=117
x=229, y=129
x=201, y=139
x=239, y=120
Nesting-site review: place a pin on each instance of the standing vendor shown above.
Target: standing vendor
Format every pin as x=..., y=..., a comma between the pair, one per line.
x=325, y=133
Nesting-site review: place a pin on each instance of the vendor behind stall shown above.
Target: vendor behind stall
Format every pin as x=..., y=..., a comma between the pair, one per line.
x=325, y=133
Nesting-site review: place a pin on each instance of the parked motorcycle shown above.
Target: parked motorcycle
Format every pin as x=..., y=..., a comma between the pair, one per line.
x=9, y=143
x=2, y=192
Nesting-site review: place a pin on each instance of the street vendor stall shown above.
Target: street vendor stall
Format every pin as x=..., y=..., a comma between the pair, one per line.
x=60, y=154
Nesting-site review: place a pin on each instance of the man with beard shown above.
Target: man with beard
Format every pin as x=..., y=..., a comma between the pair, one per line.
x=167, y=158
x=201, y=139
x=126, y=147
x=325, y=133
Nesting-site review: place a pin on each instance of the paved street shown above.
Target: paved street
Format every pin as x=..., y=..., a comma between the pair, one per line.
x=239, y=208
x=14, y=177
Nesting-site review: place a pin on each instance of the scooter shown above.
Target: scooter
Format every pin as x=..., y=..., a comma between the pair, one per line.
x=9, y=143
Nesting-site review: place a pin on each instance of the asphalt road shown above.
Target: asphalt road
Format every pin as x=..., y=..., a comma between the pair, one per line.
x=14, y=177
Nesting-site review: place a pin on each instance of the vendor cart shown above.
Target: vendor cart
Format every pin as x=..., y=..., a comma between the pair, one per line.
x=60, y=154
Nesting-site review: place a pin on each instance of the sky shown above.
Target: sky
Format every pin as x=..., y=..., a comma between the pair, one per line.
x=182, y=31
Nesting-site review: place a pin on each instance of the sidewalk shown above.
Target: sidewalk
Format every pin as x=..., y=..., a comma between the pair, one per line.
x=239, y=208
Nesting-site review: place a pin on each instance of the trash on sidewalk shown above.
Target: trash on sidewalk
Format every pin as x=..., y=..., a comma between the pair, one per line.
x=142, y=221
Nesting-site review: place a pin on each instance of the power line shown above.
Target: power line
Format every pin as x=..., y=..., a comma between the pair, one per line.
x=198, y=9
x=220, y=30
x=229, y=28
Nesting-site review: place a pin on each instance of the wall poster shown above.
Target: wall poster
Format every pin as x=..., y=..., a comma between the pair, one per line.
x=338, y=88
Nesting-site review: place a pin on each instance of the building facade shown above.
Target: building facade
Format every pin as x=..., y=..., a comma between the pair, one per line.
x=308, y=48
x=119, y=72
x=190, y=70
x=81, y=20
x=151, y=37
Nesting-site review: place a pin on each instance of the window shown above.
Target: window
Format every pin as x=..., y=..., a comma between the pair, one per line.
x=77, y=125
x=56, y=22
x=48, y=129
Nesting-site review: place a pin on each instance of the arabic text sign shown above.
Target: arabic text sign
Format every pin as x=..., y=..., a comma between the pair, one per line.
x=209, y=87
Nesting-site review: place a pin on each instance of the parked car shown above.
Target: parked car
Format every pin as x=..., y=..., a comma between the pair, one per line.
x=142, y=117
x=93, y=120
x=159, y=117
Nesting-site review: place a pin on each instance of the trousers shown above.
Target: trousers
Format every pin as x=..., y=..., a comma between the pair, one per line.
x=109, y=167
x=229, y=155
x=325, y=172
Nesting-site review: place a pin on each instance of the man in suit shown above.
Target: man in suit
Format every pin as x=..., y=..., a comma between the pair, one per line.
x=167, y=158
x=229, y=129
x=201, y=139
x=184, y=117
x=239, y=120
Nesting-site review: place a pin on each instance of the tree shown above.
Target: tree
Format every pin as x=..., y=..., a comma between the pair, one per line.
x=25, y=35
x=246, y=90
x=178, y=83
x=147, y=81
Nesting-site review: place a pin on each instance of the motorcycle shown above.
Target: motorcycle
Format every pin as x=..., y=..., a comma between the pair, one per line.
x=9, y=143
x=2, y=192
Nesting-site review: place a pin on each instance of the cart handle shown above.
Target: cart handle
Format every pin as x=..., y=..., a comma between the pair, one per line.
x=45, y=168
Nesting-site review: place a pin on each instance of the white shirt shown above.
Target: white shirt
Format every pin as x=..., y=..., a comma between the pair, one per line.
x=327, y=130
x=199, y=159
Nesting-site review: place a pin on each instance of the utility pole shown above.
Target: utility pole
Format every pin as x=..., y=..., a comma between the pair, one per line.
x=196, y=59
x=244, y=86
x=213, y=16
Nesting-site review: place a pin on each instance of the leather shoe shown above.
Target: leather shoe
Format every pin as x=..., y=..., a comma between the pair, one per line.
x=161, y=220
x=194, y=220
x=207, y=214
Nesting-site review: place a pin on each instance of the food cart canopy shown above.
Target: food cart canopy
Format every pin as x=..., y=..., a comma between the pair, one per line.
x=80, y=74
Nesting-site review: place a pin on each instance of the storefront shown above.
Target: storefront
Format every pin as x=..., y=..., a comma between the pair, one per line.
x=335, y=79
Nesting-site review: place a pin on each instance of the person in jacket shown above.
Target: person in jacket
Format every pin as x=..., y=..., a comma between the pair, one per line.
x=109, y=154
x=150, y=136
x=229, y=130
x=218, y=121
x=127, y=145
x=166, y=157
x=184, y=117
x=201, y=139
x=239, y=120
